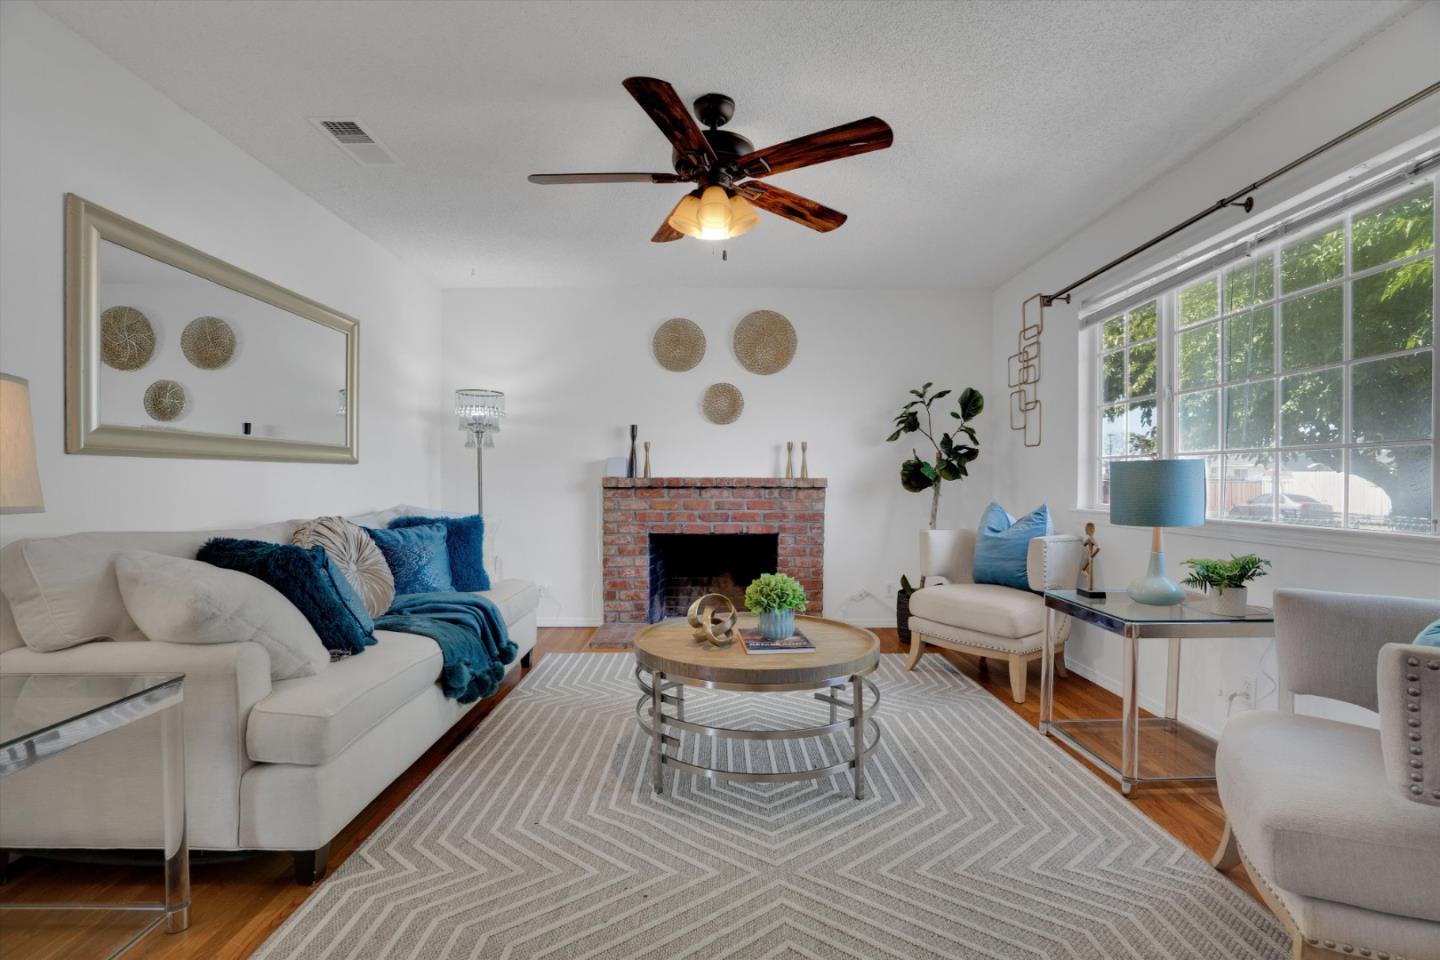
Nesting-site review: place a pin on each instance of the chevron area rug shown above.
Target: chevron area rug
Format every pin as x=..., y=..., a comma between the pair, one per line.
x=541, y=837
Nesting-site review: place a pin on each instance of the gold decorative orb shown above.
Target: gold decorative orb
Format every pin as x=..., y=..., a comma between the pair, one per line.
x=208, y=342
x=127, y=341
x=165, y=400
x=764, y=342
x=714, y=618
x=679, y=344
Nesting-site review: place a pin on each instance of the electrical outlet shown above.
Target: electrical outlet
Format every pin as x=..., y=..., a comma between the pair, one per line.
x=1247, y=693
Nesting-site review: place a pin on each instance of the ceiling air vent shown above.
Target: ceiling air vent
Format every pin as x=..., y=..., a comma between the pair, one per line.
x=360, y=146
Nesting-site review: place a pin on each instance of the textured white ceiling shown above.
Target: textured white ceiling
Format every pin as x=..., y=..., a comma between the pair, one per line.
x=1016, y=123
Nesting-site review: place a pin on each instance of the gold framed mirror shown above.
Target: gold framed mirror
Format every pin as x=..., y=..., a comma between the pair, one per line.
x=170, y=352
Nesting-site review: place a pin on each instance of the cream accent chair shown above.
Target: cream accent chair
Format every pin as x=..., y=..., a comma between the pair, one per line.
x=984, y=619
x=1339, y=824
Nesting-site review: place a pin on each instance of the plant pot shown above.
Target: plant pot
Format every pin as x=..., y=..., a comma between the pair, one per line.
x=777, y=624
x=1231, y=602
x=902, y=617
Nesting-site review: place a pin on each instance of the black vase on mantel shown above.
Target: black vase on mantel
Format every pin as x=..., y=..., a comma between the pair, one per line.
x=631, y=470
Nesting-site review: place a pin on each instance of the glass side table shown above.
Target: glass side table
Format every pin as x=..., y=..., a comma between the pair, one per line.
x=42, y=715
x=1160, y=736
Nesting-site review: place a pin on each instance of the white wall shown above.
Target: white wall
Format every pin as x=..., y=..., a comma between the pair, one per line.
x=72, y=120
x=577, y=369
x=1389, y=67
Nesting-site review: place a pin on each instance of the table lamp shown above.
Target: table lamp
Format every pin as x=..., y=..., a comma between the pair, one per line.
x=19, y=476
x=479, y=413
x=1157, y=494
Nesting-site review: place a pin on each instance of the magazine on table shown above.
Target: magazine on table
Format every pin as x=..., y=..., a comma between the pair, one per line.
x=756, y=643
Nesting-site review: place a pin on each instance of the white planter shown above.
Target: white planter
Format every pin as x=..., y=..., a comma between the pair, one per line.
x=1231, y=602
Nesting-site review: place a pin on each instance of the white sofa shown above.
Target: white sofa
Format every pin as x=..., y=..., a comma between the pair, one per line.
x=986, y=620
x=278, y=765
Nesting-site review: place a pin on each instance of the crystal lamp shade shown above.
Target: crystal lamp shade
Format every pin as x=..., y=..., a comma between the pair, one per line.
x=479, y=413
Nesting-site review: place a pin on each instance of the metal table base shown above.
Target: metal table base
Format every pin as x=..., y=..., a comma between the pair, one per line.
x=664, y=690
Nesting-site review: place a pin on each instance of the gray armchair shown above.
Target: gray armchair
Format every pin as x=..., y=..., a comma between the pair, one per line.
x=1339, y=824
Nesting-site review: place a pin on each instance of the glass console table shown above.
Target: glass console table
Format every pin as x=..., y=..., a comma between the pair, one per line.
x=1162, y=737
x=42, y=715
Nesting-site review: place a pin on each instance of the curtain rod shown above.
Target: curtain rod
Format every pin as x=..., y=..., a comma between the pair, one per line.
x=1235, y=199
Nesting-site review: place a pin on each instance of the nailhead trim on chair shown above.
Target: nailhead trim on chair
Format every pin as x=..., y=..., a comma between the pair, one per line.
x=1417, y=765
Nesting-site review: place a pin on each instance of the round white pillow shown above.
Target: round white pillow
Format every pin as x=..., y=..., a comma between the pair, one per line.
x=358, y=558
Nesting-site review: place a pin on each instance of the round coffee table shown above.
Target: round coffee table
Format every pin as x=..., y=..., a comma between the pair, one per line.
x=668, y=659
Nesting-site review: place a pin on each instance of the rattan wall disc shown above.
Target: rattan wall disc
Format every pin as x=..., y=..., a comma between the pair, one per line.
x=722, y=403
x=208, y=342
x=164, y=400
x=127, y=341
x=679, y=344
x=764, y=342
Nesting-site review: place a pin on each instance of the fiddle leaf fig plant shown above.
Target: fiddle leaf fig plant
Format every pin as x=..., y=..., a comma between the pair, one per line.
x=953, y=449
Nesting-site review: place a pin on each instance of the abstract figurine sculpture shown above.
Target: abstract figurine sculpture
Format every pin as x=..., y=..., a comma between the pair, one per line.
x=714, y=618
x=789, y=459
x=804, y=459
x=1088, y=576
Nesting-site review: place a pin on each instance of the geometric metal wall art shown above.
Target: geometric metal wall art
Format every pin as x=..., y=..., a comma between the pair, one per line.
x=1024, y=372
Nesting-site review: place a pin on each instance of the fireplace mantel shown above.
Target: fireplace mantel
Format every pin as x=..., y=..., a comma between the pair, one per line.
x=635, y=508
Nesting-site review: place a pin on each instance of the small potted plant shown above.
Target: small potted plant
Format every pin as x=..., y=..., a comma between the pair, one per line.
x=1226, y=579
x=775, y=598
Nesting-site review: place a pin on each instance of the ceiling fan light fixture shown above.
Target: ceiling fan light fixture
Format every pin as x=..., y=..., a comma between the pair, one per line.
x=714, y=214
x=686, y=216
x=743, y=217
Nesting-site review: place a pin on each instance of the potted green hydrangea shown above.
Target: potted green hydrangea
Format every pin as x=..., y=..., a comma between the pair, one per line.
x=775, y=598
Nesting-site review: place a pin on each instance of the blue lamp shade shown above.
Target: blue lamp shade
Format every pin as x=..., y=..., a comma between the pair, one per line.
x=1157, y=493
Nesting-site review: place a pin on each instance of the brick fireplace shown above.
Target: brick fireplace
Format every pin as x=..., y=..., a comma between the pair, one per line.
x=669, y=539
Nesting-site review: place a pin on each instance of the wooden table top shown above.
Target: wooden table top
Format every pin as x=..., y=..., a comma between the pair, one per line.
x=841, y=651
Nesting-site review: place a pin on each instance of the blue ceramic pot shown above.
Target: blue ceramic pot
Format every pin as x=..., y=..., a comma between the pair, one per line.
x=777, y=624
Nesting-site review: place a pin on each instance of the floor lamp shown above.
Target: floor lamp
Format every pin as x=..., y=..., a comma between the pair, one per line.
x=479, y=413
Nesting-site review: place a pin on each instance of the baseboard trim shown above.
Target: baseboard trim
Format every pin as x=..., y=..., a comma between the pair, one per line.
x=567, y=622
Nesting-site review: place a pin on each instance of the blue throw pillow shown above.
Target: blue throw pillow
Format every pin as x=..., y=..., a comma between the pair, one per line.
x=464, y=542
x=309, y=579
x=417, y=557
x=1430, y=636
x=1002, y=543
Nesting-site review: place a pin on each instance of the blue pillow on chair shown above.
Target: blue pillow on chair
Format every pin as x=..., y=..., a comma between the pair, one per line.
x=417, y=557
x=1002, y=542
x=309, y=579
x=464, y=542
x=1430, y=636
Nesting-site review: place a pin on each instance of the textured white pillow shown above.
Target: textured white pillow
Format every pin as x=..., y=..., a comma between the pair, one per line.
x=186, y=601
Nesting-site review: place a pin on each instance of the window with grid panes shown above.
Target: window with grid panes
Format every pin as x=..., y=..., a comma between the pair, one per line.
x=1303, y=374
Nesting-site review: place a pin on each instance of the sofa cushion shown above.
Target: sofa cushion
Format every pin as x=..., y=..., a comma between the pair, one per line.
x=62, y=591
x=1002, y=545
x=515, y=598
x=1310, y=805
x=311, y=720
x=465, y=544
x=417, y=556
x=981, y=607
x=352, y=550
x=175, y=600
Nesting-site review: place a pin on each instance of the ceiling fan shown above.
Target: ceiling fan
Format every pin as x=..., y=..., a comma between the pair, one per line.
x=728, y=170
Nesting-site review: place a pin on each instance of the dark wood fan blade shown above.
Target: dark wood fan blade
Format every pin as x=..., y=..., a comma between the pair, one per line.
x=791, y=206
x=604, y=178
x=663, y=104
x=666, y=233
x=846, y=140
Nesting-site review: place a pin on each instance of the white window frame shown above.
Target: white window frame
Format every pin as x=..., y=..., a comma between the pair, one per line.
x=1167, y=392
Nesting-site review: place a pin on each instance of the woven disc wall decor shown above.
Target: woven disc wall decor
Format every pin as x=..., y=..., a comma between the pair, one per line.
x=679, y=344
x=208, y=342
x=764, y=342
x=722, y=403
x=164, y=400
x=127, y=341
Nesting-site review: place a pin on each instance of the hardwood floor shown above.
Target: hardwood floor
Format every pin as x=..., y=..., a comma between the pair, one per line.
x=239, y=902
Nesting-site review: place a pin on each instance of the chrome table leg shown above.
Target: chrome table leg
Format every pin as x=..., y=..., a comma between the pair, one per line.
x=1047, y=672
x=177, y=847
x=657, y=729
x=857, y=693
x=1130, y=721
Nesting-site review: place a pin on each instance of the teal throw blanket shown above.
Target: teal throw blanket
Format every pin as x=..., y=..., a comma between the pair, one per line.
x=471, y=635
